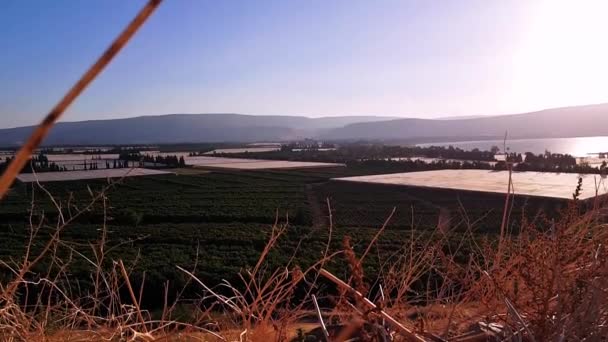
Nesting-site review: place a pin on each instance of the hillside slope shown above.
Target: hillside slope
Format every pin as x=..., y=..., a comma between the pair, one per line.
x=591, y=120
x=179, y=128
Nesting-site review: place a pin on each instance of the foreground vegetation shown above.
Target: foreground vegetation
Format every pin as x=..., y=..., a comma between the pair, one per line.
x=79, y=269
x=223, y=219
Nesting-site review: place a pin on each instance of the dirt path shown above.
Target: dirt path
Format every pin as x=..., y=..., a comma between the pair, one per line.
x=318, y=219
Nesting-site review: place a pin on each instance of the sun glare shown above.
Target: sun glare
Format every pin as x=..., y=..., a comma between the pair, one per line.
x=563, y=55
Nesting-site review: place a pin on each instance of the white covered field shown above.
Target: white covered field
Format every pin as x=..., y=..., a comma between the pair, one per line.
x=545, y=184
x=244, y=149
x=251, y=164
x=76, y=161
x=91, y=174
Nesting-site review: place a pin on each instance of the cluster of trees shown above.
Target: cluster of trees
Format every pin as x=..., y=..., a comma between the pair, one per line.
x=512, y=157
x=194, y=148
x=116, y=164
x=307, y=144
x=549, y=161
x=39, y=163
x=169, y=160
x=390, y=166
x=129, y=156
x=70, y=150
x=452, y=152
x=97, y=152
x=90, y=165
x=554, y=162
x=364, y=151
x=201, y=152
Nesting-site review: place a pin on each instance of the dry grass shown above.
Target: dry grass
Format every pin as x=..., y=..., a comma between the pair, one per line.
x=548, y=282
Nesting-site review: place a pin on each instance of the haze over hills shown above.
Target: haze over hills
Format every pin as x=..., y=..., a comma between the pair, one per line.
x=591, y=120
x=179, y=128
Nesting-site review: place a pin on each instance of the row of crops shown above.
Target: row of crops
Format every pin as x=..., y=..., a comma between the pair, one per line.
x=220, y=221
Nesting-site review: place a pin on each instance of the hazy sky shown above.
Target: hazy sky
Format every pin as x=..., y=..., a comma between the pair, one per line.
x=315, y=57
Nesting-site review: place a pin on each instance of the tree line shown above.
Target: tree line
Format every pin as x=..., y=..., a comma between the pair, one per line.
x=168, y=160
x=40, y=163
x=366, y=153
x=369, y=151
x=555, y=162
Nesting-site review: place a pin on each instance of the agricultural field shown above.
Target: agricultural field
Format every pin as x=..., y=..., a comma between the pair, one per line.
x=244, y=150
x=80, y=161
x=543, y=184
x=219, y=221
x=361, y=204
x=63, y=176
x=79, y=156
x=251, y=164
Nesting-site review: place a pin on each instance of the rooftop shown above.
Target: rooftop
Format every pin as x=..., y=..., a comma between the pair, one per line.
x=544, y=184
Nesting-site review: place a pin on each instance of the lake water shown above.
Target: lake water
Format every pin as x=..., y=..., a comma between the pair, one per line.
x=578, y=147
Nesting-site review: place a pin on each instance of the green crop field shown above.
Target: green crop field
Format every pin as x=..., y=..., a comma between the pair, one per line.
x=221, y=221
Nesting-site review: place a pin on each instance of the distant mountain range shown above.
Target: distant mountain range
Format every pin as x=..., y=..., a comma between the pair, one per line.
x=588, y=120
x=579, y=121
x=184, y=128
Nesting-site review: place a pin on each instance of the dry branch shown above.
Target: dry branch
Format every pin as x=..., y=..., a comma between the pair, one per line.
x=411, y=335
x=42, y=130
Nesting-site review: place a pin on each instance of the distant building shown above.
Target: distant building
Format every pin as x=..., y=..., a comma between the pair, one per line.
x=500, y=156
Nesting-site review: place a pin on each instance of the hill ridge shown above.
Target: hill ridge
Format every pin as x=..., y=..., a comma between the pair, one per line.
x=572, y=121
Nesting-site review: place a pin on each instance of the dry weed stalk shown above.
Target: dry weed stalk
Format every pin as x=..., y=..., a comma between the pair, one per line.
x=43, y=129
x=37, y=305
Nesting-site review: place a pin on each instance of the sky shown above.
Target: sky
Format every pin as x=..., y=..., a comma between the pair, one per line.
x=315, y=58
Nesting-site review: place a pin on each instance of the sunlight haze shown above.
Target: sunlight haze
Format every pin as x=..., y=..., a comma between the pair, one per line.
x=315, y=58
